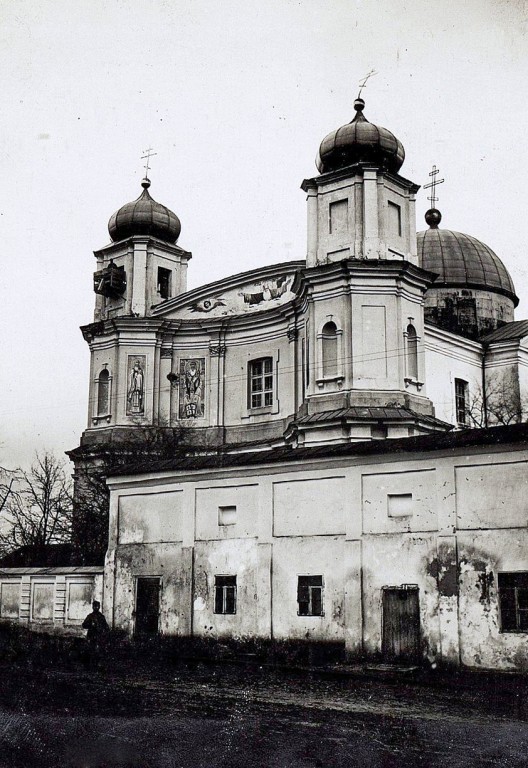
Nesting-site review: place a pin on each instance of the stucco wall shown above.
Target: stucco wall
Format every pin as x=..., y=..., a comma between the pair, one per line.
x=447, y=523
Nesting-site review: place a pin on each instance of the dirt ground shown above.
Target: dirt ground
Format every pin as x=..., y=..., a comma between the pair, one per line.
x=204, y=715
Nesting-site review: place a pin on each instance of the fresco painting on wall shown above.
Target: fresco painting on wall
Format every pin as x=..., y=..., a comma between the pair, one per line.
x=192, y=384
x=136, y=385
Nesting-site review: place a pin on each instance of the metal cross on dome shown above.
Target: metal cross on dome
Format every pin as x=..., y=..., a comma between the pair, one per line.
x=432, y=185
x=148, y=154
x=363, y=83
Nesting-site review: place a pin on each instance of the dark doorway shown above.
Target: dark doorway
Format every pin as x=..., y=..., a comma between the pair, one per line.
x=401, y=624
x=147, y=605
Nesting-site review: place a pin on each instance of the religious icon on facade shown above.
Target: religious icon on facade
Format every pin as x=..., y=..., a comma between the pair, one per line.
x=192, y=386
x=136, y=385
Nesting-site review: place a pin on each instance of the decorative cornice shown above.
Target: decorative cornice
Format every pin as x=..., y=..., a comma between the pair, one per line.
x=218, y=350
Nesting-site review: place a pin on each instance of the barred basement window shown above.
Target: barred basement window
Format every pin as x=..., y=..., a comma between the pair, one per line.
x=260, y=382
x=310, y=596
x=225, y=594
x=513, y=601
x=461, y=402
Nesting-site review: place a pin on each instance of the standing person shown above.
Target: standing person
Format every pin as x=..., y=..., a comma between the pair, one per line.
x=97, y=628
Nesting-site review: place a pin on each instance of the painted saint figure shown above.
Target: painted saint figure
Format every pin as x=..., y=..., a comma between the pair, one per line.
x=193, y=388
x=135, y=388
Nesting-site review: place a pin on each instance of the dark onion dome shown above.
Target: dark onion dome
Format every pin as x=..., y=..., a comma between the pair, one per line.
x=360, y=142
x=144, y=216
x=461, y=261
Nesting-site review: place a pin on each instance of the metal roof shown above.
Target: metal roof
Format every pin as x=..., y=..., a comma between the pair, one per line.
x=461, y=260
x=512, y=434
x=517, y=329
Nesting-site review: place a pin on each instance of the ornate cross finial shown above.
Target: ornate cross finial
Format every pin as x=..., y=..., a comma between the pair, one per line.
x=148, y=154
x=363, y=83
x=432, y=186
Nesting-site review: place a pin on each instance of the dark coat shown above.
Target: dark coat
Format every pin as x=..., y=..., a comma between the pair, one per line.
x=96, y=625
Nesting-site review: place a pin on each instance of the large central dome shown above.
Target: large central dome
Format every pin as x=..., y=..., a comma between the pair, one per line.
x=360, y=142
x=462, y=261
x=144, y=216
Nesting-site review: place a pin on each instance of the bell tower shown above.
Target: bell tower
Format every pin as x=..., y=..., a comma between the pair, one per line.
x=365, y=291
x=360, y=207
x=143, y=265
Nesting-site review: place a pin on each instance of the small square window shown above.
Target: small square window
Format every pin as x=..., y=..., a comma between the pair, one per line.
x=227, y=515
x=310, y=596
x=225, y=594
x=399, y=504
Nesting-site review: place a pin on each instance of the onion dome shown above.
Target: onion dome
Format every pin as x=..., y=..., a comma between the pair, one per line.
x=461, y=261
x=144, y=216
x=360, y=142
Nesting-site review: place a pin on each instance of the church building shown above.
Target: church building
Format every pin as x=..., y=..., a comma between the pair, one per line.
x=358, y=469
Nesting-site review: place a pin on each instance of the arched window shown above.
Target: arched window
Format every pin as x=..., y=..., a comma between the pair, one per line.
x=103, y=393
x=412, y=352
x=329, y=349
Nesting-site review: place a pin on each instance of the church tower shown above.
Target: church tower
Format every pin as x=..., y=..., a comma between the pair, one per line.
x=140, y=269
x=365, y=290
x=143, y=265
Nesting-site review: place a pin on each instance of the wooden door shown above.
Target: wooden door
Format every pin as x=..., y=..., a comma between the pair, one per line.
x=401, y=624
x=147, y=605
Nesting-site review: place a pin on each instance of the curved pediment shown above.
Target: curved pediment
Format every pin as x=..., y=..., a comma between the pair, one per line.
x=246, y=293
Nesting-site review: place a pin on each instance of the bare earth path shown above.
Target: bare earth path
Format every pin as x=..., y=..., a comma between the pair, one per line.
x=213, y=717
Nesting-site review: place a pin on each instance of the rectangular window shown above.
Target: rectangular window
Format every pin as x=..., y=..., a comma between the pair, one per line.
x=261, y=382
x=395, y=222
x=227, y=515
x=338, y=217
x=461, y=401
x=164, y=282
x=513, y=601
x=225, y=594
x=310, y=595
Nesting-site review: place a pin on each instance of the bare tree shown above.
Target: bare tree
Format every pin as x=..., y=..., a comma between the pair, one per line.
x=135, y=449
x=499, y=403
x=38, y=509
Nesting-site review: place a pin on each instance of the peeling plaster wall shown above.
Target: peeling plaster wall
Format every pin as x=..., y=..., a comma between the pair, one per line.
x=391, y=561
x=236, y=557
x=303, y=556
x=447, y=523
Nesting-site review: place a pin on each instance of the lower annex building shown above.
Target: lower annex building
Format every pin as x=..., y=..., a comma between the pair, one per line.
x=335, y=491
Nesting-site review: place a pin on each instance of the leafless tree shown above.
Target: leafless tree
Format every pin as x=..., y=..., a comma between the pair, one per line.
x=499, y=403
x=136, y=449
x=38, y=508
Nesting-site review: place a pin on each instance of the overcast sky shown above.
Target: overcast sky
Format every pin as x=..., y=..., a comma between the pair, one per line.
x=235, y=97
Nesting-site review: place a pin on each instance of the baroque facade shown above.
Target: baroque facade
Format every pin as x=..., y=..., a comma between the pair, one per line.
x=335, y=492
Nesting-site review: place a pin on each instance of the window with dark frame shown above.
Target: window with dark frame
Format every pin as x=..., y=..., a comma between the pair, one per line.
x=260, y=382
x=310, y=596
x=461, y=401
x=164, y=283
x=513, y=601
x=225, y=594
